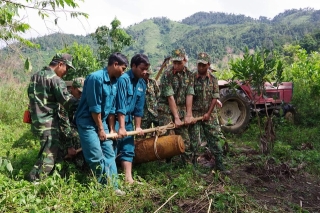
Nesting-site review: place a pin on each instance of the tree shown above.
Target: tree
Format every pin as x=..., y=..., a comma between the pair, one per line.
x=83, y=60
x=256, y=69
x=111, y=40
x=11, y=27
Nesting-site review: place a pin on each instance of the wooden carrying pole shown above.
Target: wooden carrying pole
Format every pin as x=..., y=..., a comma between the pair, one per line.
x=155, y=129
x=164, y=64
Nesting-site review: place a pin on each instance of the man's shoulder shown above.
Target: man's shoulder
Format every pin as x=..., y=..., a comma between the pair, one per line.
x=124, y=76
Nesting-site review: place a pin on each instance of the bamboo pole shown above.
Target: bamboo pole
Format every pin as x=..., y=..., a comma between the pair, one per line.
x=130, y=133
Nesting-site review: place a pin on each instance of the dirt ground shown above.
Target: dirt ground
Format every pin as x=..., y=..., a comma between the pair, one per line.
x=278, y=187
x=273, y=187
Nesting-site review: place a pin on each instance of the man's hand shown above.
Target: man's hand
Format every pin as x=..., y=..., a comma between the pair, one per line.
x=114, y=132
x=189, y=120
x=206, y=117
x=122, y=133
x=72, y=152
x=219, y=104
x=140, y=131
x=178, y=122
x=102, y=135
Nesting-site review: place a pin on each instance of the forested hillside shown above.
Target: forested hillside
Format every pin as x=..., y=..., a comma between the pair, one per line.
x=222, y=35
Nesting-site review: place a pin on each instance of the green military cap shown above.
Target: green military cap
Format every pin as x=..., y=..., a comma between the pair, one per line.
x=78, y=83
x=63, y=57
x=178, y=54
x=203, y=58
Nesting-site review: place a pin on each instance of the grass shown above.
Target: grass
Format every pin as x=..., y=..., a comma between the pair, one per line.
x=190, y=190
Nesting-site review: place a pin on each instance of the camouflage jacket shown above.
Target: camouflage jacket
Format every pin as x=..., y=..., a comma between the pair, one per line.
x=178, y=85
x=66, y=125
x=46, y=91
x=205, y=89
x=152, y=96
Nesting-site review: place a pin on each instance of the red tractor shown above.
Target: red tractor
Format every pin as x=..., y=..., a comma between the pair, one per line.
x=239, y=104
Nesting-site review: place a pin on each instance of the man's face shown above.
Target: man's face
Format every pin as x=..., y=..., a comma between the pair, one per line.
x=146, y=76
x=120, y=70
x=61, y=69
x=178, y=65
x=141, y=70
x=203, y=68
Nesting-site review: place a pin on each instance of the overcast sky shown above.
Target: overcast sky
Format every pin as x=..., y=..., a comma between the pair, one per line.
x=129, y=12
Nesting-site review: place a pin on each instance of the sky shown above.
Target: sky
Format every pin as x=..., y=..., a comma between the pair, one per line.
x=129, y=12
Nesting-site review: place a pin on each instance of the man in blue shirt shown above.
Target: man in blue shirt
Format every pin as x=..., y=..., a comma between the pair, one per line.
x=95, y=113
x=131, y=89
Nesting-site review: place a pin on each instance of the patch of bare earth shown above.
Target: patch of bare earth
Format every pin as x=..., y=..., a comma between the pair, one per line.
x=277, y=187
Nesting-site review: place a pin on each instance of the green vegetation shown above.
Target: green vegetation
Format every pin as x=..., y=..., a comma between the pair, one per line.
x=11, y=25
x=223, y=36
x=258, y=183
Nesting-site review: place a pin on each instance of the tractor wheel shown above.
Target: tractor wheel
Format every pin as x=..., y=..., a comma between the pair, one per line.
x=289, y=113
x=235, y=113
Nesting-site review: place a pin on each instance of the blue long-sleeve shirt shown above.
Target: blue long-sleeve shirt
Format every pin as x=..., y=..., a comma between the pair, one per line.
x=130, y=96
x=98, y=96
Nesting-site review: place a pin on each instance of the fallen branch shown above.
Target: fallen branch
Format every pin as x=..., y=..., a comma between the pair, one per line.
x=166, y=202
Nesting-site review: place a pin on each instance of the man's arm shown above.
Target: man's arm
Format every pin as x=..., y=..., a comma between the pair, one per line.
x=174, y=111
x=208, y=113
x=137, y=123
x=189, y=118
x=121, y=103
x=189, y=99
x=97, y=119
x=122, y=132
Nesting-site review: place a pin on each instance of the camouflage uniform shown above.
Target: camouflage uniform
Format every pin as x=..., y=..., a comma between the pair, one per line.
x=150, y=107
x=46, y=91
x=69, y=136
x=178, y=85
x=206, y=89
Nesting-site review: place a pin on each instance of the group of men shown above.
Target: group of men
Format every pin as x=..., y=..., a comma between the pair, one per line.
x=111, y=100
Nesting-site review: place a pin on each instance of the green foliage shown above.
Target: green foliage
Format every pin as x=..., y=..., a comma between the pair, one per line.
x=10, y=25
x=258, y=68
x=84, y=61
x=111, y=40
x=304, y=71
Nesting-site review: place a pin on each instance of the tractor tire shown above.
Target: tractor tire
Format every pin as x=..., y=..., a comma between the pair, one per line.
x=235, y=113
x=289, y=113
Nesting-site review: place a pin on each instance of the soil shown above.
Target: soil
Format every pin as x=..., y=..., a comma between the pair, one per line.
x=272, y=187
x=278, y=187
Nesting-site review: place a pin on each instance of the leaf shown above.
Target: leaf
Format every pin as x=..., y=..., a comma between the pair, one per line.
x=27, y=66
x=9, y=167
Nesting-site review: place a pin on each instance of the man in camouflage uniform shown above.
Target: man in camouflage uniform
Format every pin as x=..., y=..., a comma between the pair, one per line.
x=46, y=91
x=206, y=90
x=69, y=136
x=176, y=94
x=150, y=115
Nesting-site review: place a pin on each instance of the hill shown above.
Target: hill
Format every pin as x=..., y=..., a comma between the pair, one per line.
x=222, y=35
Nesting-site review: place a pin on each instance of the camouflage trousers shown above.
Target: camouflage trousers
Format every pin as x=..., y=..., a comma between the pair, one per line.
x=47, y=156
x=165, y=119
x=211, y=132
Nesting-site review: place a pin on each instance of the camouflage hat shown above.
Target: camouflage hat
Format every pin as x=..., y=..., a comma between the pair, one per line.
x=63, y=57
x=178, y=54
x=203, y=58
x=78, y=83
